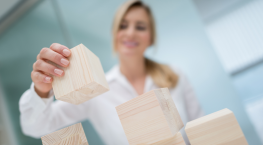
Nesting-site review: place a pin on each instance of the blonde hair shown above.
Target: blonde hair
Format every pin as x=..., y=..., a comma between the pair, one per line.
x=162, y=75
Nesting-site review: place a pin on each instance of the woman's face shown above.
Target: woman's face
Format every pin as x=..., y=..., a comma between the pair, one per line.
x=134, y=35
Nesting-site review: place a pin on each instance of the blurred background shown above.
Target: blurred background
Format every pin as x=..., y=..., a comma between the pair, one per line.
x=217, y=43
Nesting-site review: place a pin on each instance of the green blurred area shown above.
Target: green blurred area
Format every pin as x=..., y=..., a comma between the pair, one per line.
x=19, y=46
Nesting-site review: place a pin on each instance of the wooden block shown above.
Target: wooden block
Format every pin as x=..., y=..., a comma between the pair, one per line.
x=175, y=140
x=219, y=128
x=72, y=135
x=150, y=117
x=84, y=78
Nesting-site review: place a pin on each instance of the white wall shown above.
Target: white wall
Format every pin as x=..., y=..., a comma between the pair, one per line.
x=237, y=36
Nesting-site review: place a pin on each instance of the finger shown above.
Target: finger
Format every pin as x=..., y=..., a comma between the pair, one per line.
x=38, y=57
x=61, y=49
x=41, y=65
x=53, y=56
x=40, y=77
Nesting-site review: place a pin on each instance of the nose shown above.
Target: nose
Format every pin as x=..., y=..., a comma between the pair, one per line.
x=130, y=31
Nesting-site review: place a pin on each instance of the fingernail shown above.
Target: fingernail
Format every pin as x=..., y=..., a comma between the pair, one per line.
x=66, y=52
x=47, y=79
x=64, y=61
x=58, y=71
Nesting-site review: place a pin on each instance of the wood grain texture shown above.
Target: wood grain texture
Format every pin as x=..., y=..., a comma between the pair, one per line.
x=84, y=78
x=175, y=140
x=220, y=128
x=150, y=117
x=72, y=135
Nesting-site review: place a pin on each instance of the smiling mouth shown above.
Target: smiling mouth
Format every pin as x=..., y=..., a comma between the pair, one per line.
x=130, y=44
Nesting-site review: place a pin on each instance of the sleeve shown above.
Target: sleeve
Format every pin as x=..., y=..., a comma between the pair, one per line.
x=39, y=117
x=193, y=107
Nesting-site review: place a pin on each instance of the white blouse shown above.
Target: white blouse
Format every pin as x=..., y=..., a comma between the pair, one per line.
x=43, y=116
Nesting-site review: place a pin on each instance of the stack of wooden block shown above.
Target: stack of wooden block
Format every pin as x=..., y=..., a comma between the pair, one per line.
x=149, y=119
x=84, y=79
x=219, y=128
x=73, y=135
x=152, y=119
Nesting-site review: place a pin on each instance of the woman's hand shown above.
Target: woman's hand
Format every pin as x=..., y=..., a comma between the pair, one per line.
x=43, y=71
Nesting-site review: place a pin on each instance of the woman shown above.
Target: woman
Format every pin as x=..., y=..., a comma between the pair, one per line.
x=133, y=32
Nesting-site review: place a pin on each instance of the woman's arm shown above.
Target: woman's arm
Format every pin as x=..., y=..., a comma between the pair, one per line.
x=39, y=114
x=39, y=117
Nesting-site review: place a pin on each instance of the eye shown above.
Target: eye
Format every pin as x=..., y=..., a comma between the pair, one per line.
x=123, y=26
x=140, y=28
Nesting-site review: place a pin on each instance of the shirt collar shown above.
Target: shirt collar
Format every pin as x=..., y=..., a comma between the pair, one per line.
x=115, y=75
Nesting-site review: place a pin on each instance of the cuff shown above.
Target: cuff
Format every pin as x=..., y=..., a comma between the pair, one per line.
x=50, y=97
x=39, y=104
